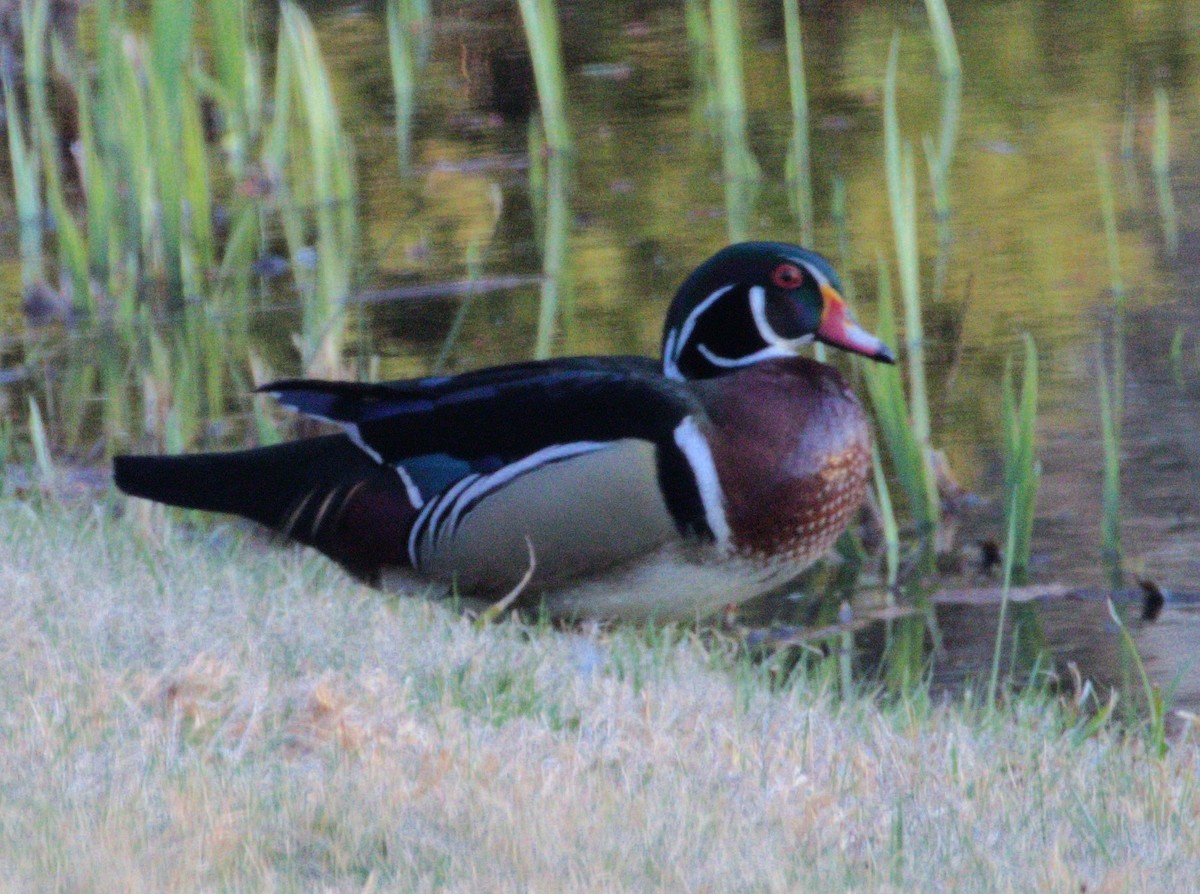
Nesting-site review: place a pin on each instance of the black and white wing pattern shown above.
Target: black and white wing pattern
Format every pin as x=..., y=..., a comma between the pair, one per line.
x=515, y=443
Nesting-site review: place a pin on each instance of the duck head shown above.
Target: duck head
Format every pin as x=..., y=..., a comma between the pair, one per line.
x=757, y=301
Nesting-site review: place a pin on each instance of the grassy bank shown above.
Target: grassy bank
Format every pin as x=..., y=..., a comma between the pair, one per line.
x=184, y=714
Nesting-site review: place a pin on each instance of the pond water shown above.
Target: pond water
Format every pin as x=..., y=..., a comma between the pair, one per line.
x=1046, y=85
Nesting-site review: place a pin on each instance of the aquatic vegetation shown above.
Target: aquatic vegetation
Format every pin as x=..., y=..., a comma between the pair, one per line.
x=901, y=188
x=27, y=186
x=540, y=18
x=1160, y=161
x=740, y=168
x=1111, y=383
x=1022, y=470
x=939, y=155
x=330, y=162
x=799, y=165
x=407, y=25
x=164, y=147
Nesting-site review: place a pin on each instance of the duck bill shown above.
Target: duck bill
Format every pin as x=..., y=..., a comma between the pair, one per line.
x=839, y=329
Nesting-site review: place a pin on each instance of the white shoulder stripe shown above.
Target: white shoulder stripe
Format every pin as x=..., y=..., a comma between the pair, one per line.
x=414, y=492
x=695, y=449
x=350, y=428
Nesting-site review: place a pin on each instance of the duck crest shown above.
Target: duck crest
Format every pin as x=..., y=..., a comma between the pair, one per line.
x=793, y=454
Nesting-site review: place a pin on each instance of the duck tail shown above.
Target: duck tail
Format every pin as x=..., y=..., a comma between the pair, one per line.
x=324, y=492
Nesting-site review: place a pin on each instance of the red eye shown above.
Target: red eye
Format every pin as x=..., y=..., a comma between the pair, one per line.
x=787, y=276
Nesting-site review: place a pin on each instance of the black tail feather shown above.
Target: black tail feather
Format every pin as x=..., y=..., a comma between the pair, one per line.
x=324, y=492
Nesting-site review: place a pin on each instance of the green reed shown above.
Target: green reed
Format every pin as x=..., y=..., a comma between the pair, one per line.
x=1022, y=471
x=740, y=169
x=841, y=230
x=41, y=445
x=901, y=184
x=236, y=85
x=799, y=165
x=138, y=231
x=1176, y=356
x=540, y=18
x=1010, y=552
x=950, y=70
x=939, y=156
x=550, y=185
x=891, y=531
x=905, y=656
x=700, y=55
x=1156, y=700
x=1112, y=389
x=27, y=187
x=886, y=389
x=1161, y=165
x=406, y=23
x=330, y=192
x=1110, y=524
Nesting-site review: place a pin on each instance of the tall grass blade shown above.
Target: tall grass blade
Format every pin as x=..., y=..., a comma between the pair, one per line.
x=1009, y=552
x=891, y=531
x=886, y=390
x=1176, y=356
x=402, y=53
x=1022, y=471
x=700, y=54
x=740, y=170
x=798, y=162
x=1112, y=389
x=233, y=60
x=901, y=186
x=1156, y=704
x=41, y=445
x=950, y=69
x=25, y=162
x=556, y=235
x=333, y=196
x=1161, y=164
x=841, y=229
x=1110, y=524
x=540, y=18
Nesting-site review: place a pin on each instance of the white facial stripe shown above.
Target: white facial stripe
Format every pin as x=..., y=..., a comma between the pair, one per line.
x=670, y=366
x=770, y=352
x=676, y=339
x=695, y=449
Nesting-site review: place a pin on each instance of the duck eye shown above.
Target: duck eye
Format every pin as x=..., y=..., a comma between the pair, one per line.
x=787, y=276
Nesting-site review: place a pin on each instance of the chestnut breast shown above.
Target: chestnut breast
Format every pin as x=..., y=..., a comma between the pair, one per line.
x=792, y=450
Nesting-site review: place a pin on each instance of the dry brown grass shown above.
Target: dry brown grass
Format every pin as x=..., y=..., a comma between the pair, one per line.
x=203, y=714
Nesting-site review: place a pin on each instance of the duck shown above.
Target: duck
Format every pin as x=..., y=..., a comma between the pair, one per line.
x=605, y=488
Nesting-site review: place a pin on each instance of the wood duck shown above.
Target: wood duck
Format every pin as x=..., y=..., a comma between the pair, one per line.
x=635, y=489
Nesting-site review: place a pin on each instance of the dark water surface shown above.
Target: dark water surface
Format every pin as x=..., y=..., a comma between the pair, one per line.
x=1045, y=84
